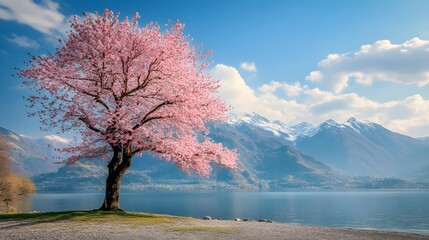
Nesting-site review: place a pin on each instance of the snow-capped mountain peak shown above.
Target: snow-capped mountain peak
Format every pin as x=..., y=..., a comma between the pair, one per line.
x=252, y=118
x=293, y=132
x=359, y=126
x=278, y=128
x=331, y=123
x=303, y=129
x=351, y=123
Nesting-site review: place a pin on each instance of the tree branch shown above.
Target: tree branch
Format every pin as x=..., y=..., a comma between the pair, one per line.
x=98, y=99
x=89, y=125
x=95, y=96
x=81, y=78
x=144, y=83
x=147, y=117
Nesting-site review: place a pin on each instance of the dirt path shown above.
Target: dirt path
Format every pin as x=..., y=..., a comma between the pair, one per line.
x=184, y=229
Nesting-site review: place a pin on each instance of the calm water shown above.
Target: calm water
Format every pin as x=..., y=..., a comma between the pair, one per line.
x=400, y=210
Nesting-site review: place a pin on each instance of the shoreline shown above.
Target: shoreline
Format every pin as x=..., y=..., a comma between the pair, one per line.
x=415, y=231
x=126, y=225
x=393, y=230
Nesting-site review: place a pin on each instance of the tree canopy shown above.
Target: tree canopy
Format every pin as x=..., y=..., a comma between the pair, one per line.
x=119, y=84
x=127, y=90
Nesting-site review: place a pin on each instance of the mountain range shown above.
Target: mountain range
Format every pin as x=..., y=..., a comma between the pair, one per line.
x=273, y=155
x=352, y=148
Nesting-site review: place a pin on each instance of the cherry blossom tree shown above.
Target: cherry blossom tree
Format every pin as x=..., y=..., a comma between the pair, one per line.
x=127, y=90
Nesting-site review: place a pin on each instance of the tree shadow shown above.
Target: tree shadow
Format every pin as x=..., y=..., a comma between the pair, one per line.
x=27, y=219
x=18, y=220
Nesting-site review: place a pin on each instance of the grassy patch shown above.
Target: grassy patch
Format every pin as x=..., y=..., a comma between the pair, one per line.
x=201, y=228
x=102, y=216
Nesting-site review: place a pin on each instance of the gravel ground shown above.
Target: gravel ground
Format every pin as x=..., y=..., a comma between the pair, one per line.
x=186, y=229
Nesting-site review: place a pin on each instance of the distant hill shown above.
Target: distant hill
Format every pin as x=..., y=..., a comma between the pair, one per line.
x=268, y=157
x=273, y=155
x=31, y=157
x=261, y=166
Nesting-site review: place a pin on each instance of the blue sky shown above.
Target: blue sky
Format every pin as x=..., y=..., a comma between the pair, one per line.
x=288, y=60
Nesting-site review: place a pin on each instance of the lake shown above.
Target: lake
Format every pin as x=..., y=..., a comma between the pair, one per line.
x=388, y=210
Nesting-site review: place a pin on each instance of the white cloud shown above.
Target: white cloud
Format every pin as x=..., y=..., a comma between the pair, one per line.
x=293, y=90
x=406, y=63
x=43, y=16
x=296, y=103
x=25, y=136
x=248, y=66
x=23, y=41
x=57, y=138
x=234, y=91
x=270, y=88
x=233, y=87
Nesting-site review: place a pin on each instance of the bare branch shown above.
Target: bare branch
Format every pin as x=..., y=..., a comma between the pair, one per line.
x=145, y=81
x=98, y=99
x=148, y=118
x=89, y=125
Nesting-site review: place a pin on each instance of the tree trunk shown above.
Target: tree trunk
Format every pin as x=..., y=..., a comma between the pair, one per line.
x=111, y=199
x=117, y=167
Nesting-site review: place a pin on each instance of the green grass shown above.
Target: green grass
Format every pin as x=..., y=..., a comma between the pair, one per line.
x=132, y=218
x=201, y=228
x=101, y=216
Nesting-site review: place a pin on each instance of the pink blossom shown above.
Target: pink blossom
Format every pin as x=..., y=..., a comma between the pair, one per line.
x=140, y=88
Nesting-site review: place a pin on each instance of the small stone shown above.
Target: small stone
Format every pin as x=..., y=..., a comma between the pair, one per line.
x=246, y=220
x=207, y=218
x=237, y=219
x=218, y=219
